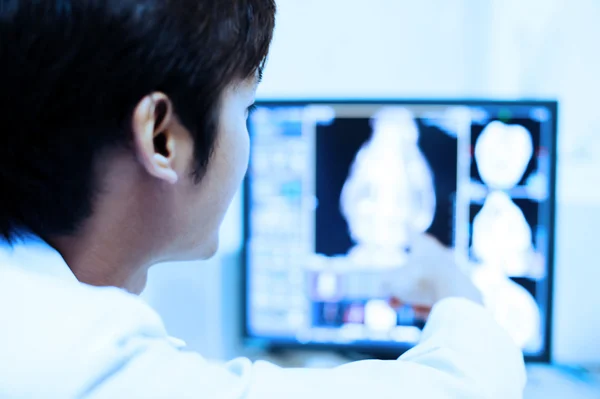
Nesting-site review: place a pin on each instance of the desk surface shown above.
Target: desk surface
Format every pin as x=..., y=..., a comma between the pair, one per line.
x=549, y=382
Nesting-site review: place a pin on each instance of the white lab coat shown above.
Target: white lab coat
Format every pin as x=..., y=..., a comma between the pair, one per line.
x=63, y=339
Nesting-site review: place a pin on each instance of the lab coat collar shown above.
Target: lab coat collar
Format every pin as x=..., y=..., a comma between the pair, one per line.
x=30, y=253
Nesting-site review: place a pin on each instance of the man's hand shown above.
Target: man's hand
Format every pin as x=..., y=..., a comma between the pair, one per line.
x=430, y=275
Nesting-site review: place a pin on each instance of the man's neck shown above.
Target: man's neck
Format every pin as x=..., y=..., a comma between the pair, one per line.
x=105, y=261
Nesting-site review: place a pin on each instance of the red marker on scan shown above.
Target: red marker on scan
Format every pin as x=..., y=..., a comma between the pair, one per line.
x=421, y=311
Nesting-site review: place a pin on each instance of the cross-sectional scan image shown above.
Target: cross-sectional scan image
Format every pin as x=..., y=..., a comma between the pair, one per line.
x=502, y=236
x=389, y=191
x=379, y=185
x=502, y=153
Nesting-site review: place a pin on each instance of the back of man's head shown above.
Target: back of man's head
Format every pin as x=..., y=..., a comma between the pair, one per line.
x=73, y=71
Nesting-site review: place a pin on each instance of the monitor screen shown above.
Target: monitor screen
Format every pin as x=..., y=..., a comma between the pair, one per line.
x=336, y=189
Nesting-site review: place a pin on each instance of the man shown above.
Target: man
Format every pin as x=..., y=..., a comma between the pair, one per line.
x=123, y=141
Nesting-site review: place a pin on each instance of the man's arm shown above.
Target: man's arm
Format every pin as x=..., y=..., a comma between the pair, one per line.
x=463, y=354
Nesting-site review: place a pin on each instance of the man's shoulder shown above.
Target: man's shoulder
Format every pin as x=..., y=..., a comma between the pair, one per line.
x=35, y=292
x=64, y=332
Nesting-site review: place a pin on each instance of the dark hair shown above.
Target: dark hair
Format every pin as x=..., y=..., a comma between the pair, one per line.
x=73, y=71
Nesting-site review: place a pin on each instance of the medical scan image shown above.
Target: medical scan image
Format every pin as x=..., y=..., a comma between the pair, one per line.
x=502, y=238
x=502, y=153
x=388, y=193
x=337, y=193
x=502, y=242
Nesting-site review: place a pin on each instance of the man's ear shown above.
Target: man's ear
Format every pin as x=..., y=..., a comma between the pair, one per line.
x=153, y=134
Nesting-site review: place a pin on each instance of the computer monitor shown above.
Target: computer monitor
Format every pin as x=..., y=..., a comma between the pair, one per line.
x=335, y=190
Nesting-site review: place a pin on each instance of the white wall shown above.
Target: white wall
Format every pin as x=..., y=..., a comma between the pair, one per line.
x=439, y=48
